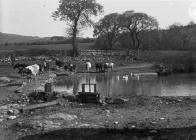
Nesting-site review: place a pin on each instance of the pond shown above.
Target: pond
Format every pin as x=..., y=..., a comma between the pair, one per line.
x=115, y=84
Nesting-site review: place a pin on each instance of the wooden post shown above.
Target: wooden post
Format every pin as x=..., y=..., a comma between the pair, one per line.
x=48, y=88
x=31, y=107
x=89, y=82
x=95, y=88
x=83, y=88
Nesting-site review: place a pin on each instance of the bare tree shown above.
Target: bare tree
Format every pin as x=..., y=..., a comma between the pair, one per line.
x=77, y=13
x=108, y=27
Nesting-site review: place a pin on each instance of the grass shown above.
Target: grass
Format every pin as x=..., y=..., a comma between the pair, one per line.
x=49, y=47
x=36, y=50
x=174, y=61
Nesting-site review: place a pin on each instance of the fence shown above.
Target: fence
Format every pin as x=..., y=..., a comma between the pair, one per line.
x=106, y=52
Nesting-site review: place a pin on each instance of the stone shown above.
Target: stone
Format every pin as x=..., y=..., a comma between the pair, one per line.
x=120, y=101
x=5, y=79
x=84, y=125
x=10, y=112
x=44, y=125
x=133, y=126
x=66, y=117
x=153, y=131
x=12, y=117
x=18, y=91
x=116, y=100
x=162, y=118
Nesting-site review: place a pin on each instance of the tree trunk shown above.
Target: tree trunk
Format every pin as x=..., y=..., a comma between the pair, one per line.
x=74, y=43
x=75, y=47
x=138, y=45
x=133, y=39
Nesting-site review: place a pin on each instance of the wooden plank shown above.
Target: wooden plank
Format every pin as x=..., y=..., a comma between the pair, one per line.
x=32, y=107
x=146, y=74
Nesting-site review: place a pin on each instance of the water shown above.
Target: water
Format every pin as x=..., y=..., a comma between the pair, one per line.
x=114, y=84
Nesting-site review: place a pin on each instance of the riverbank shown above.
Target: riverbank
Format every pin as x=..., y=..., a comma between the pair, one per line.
x=151, y=115
x=144, y=115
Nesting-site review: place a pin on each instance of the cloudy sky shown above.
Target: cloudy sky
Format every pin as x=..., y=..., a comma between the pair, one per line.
x=33, y=17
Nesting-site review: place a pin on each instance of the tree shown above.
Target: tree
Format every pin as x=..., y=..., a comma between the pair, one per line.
x=77, y=14
x=175, y=26
x=137, y=24
x=191, y=23
x=109, y=28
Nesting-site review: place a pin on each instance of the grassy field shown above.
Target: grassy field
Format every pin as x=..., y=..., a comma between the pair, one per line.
x=8, y=48
x=159, y=55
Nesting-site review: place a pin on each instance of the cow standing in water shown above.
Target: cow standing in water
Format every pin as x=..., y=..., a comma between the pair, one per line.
x=88, y=66
x=99, y=67
x=109, y=65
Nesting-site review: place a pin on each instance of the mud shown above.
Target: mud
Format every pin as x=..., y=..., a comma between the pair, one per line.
x=140, y=118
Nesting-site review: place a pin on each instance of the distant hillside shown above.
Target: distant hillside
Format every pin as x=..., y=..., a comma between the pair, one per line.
x=13, y=38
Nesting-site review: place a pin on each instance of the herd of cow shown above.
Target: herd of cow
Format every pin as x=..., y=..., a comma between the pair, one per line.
x=100, y=67
x=34, y=69
x=30, y=69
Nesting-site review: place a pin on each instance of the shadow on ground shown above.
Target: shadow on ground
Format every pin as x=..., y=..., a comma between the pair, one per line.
x=115, y=134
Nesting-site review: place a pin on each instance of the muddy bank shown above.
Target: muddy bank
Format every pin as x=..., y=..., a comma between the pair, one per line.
x=140, y=117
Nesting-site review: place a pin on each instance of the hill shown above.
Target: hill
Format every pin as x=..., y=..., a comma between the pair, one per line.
x=13, y=38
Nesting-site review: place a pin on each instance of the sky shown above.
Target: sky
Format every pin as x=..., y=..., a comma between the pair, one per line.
x=33, y=17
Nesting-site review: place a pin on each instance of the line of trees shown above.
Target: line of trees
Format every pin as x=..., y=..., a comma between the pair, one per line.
x=130, y=30
x=149, y=37
x=131, y=23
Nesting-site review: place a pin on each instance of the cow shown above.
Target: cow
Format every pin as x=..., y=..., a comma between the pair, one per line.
x=88, y=66
x=109, y=65
x=34, y=69
x=99, y=67
x=59, y=63
x=69, y=66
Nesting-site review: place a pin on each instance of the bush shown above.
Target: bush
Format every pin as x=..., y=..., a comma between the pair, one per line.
x=39, y=52
x=185, y=64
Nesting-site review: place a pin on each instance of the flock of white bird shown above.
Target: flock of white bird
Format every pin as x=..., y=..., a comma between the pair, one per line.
x=136, y=75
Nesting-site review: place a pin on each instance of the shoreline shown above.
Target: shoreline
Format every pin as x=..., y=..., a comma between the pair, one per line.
x=151, y=113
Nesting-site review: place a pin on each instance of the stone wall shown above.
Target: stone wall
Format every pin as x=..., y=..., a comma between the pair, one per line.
x=106, y=52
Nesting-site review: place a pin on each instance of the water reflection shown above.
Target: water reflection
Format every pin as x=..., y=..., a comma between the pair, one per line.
x=109, y=84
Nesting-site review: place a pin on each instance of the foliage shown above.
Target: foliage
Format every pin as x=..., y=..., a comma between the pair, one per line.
x=176, y=37
x=136, y=24
x=173, y=61
x=77, y=13
x=115, y=28
x=109, y=27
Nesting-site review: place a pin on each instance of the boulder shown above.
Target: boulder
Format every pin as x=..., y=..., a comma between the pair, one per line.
x=66, y=117
x=11, y=117
x=5, y=79
x=120, y=101
x=116, y=100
